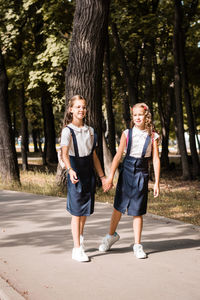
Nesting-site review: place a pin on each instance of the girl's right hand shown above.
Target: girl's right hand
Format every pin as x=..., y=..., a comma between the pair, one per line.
x=107, y=184
x=73, y=176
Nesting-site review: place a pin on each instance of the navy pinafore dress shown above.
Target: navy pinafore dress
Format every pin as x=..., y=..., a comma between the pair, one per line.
x=80, y=196
x=132, y=187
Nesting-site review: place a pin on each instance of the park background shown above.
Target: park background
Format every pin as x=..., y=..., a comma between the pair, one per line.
x=115, y=54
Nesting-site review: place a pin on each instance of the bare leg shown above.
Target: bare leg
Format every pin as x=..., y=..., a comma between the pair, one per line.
x=116, y=216
x=75, y=226
x=137, y=227
x=82, y=223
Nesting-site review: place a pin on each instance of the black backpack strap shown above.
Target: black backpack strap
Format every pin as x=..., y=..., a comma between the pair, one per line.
x=129, y=141
x=74, y=141
x=146, y=144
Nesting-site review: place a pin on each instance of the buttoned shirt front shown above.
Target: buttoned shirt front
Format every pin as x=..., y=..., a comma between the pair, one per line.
x=138, y=140
x=84, y=136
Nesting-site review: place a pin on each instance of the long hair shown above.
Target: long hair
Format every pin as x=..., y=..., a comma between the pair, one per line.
x=68, y=117
x=149, y=126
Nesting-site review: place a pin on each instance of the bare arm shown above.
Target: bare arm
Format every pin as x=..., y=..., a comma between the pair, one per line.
x=115, y=163
x=66, y=160
x=97, y=164
x=118, y=156
x=156, y=166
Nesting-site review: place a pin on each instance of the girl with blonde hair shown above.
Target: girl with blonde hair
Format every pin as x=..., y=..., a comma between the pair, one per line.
x=140, y=143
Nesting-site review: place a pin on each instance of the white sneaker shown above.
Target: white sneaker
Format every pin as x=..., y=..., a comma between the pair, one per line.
x=108, y=241
x=138, y=251
x=79, y=254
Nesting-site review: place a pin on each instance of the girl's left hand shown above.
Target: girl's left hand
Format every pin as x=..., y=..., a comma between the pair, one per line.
x=156, y=190
x=73, y=176
x=107, y=185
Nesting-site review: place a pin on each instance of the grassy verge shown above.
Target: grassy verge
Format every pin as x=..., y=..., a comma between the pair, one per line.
x=42, y=182
x=178, y=199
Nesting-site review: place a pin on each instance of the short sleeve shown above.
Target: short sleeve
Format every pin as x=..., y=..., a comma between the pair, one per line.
x=65, y=137
x=126, y=132
x=156, y=136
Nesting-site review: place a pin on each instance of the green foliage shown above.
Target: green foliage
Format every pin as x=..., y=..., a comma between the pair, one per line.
x=35, y=36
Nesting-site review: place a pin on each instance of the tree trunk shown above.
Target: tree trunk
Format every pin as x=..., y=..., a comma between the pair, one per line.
x=178, y=97
x=129, y=81
x=164, y=112
x=108, y=99
x=85, y=64
x=50, y=154
x=187, y=99
x=8, y=158
x=148, y=91
x=35, y=137
x=24, y=130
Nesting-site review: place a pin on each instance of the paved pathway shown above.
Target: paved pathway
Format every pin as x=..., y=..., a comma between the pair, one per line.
x=35, y=255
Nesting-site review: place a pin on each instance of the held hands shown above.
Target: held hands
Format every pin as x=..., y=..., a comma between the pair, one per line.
x=73, y=176
x=106, y=184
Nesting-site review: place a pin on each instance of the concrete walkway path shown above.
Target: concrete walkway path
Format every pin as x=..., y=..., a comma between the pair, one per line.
x=36, y=264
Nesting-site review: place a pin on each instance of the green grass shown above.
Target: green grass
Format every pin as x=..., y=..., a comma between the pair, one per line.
x=178, y=199
x=37, y=182
x=183, y=205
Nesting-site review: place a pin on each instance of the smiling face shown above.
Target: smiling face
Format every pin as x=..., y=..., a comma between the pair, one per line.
x=139, y=117
x=78, y=110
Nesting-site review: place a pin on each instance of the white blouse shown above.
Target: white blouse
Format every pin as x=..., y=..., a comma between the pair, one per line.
x=84, y=136
x=138, y=141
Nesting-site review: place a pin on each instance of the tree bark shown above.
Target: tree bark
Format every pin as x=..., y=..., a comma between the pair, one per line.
x=187, y=98
x=35, y=138
x=24, y=130
x=50, y=154
x=125, y=100
x=148, y=58
x=164, y=112
x=108, y=98
x=8, y=158
x=85, y=64
x=178, y=96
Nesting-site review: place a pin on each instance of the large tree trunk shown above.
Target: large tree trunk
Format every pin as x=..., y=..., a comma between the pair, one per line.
x=125, y=100
x=24, y=130
x=85, y=64
x=50, y=154
x=127, y=76
x=165, y=111
x=178, y=96
x=148, y=91
x=35, y=139
x=8, y=158
x=108, y=100
x=187, y=99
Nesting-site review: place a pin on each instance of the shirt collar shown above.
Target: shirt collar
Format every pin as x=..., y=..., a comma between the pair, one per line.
x=139, y=131
x=79, y=129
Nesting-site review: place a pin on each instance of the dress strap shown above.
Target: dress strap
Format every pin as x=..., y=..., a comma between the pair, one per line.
x=74, y=141
x=129, y=141
x=146, y=144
